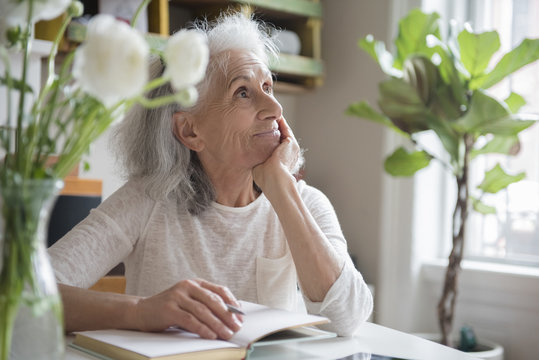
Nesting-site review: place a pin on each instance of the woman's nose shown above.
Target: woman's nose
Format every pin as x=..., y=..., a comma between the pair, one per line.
x=269, y=108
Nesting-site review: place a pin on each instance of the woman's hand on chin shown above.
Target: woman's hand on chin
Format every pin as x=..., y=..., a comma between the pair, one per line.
x=283, y=162
x=196, y=305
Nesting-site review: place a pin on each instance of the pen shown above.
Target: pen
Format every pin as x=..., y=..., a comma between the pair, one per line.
x=234, y=309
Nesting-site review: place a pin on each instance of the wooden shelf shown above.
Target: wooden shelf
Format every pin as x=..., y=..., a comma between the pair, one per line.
x=304, y=17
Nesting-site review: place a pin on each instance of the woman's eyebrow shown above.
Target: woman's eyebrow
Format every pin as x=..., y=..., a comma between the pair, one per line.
x=239, y=77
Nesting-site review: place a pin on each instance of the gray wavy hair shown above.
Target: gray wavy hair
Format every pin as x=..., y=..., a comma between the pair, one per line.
x=145, y=143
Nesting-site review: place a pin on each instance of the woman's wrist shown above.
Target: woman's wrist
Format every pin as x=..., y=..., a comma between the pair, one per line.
x=132, y=317
x=275, y=182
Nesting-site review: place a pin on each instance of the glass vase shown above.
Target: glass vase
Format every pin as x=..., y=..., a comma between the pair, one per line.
x=31, y=317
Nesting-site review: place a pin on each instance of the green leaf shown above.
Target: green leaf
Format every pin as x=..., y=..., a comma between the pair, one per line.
x=399, y=97
x=17, y=84
x=524, y=54
x=514, y=101
x=477, y=49
x=496, y=179
x=498, y=145
x=403, y=163
x=377, y=50
x=481, y=207
x=450, y=140
x=510, y=125
x=363, y=110
x=413, y=31
x=483, y=112
x=448, y=68
x=403, y=105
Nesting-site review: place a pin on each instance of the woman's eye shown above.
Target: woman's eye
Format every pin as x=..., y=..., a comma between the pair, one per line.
x=242, y=93
x=268, y=89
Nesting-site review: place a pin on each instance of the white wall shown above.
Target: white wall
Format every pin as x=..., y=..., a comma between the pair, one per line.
x=343, y=157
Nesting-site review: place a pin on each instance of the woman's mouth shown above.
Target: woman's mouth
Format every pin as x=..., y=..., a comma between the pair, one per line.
x=270, y=132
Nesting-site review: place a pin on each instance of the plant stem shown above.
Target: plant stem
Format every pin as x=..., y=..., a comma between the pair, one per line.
x=6, y=132
x=446, y=305
x=141, y=7
x=26, y=54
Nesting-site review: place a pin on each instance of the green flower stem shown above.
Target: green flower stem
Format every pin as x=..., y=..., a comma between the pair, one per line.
x=141, y=7
x=155, y=83
x=6, y=132
x=52, y=109
x=54, y=50
x=52, y=84
x=73, y=150
x=19, y=141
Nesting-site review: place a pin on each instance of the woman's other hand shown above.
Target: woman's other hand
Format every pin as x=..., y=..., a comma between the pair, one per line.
x=285, y=159
x=197, y=306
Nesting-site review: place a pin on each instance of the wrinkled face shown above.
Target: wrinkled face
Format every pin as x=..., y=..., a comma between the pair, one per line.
x=238, y=120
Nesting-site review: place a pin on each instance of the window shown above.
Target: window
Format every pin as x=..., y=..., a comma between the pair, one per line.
x=512, y=234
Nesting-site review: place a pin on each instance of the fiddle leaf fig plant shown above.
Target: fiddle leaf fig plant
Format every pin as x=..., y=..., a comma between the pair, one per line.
x=439, y=84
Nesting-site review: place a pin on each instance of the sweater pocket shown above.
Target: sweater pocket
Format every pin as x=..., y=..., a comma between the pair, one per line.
x=276, y=282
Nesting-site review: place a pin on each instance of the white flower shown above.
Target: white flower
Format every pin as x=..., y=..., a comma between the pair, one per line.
x=16, y=12
x=112, y=64
x=186, y=56
x=188, y=96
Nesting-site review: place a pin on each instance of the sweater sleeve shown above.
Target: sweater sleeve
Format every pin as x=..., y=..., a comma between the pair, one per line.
x=348, y=303
x=102, y=240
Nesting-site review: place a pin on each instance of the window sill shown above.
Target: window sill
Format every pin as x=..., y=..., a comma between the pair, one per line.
x=514, y=279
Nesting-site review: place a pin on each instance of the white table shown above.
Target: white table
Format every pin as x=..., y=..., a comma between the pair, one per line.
x=371, y=338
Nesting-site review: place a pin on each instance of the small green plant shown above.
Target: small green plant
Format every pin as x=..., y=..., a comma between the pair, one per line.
x=438, y=85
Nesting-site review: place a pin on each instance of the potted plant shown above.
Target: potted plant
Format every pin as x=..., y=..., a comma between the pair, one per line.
x=439, y=85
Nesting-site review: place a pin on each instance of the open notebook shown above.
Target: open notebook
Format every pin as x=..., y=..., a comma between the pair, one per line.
x=176, y=344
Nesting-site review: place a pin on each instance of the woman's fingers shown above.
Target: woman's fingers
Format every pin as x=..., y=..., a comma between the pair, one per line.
x=197, y=306
x=284, y=128
x=215, y=297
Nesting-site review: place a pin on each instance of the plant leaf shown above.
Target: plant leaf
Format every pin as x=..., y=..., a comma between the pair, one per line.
x=413, y=31
x=377, y=50
x=498, y=145
x=404, y=163
x=477, y=49
x=514, y=101
x=487, y=115
x=496, y=179
x=17, y=84
x=524, y=54
x=450, y=140
x=510, y=125
x=481, y=207
x=363, y=110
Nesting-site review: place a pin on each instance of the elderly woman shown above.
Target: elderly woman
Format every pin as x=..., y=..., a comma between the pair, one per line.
x=212, y=212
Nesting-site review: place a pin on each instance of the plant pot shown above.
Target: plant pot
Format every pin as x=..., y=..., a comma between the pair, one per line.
x=485, y=350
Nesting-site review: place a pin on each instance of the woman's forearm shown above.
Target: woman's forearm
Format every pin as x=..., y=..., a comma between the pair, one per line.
x=194, y=305
x=317, y=262
x=89, y=310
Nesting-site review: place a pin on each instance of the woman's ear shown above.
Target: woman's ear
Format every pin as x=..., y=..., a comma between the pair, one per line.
x=184, y=131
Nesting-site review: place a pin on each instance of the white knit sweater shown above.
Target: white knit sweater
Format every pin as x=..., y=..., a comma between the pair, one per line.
x=242, y=248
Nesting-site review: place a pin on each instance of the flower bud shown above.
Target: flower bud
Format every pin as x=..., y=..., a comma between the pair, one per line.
x=75, y=9
x=188, y=96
